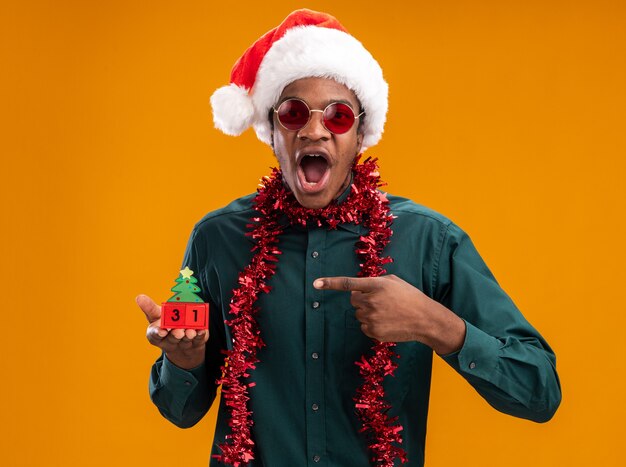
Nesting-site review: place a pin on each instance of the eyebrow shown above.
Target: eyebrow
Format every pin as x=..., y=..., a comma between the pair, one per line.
x=324, y=105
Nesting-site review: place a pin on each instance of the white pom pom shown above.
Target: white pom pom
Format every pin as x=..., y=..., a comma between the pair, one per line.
x=233, y=111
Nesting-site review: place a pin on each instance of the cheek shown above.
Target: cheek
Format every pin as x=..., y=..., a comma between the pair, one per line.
x=350, y=150
x=281, y=145
x=284, y=161
x=278, y=147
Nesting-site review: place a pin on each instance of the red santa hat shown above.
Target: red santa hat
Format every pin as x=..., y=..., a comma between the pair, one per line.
x=306, y=44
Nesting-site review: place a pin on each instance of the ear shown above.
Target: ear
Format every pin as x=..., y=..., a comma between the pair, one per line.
x=359, y=142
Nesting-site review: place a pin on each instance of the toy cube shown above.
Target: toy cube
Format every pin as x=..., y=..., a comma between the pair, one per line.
x=184, y=315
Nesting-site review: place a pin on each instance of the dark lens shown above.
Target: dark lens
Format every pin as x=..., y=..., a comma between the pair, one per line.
x=338, y=118
x=293, y=114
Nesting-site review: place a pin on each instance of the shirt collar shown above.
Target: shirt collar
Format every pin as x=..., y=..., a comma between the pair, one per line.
x=350, y=226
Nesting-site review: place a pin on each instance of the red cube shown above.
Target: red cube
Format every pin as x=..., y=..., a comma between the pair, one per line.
x=184, y=315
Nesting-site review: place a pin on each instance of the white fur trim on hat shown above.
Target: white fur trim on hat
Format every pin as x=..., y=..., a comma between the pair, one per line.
x=310, y=51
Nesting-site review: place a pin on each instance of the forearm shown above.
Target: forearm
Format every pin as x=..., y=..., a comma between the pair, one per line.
x=187, y=359
x=182, y=396
x=515, y=375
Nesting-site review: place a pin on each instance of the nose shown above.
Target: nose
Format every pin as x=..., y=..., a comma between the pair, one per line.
x=315, y=130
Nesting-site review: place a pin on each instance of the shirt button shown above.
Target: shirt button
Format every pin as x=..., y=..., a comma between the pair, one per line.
x=315, y=254
x=316, y=458
x=472, y=365
x=315, y=407
x=315, y=355
x=316, y=305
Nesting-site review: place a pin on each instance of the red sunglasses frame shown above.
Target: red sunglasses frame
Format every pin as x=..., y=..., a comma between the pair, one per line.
x=356, y=117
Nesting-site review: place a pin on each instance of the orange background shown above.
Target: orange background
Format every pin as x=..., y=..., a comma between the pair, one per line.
x=508, y=117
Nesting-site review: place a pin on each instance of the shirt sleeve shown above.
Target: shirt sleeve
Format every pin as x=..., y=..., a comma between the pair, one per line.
x=184, y=396
x=503, y=357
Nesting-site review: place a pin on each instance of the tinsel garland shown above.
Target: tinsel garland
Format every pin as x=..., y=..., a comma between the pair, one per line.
x=364, y=205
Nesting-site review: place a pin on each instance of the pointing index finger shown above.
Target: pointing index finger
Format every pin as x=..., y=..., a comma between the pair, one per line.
x=348, y=284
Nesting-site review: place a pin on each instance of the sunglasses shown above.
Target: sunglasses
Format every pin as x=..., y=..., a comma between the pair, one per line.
x=294, y=114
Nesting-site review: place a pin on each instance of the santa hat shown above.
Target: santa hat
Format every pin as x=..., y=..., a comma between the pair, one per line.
x=306, y=44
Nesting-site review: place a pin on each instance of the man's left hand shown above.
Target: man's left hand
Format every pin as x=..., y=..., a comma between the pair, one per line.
x=392, y=310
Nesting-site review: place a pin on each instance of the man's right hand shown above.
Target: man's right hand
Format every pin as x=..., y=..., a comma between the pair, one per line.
x=183, y=347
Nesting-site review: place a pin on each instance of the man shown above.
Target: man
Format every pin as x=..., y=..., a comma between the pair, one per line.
x=320, y=281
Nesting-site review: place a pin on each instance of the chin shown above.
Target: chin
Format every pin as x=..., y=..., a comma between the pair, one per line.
x=311, y=202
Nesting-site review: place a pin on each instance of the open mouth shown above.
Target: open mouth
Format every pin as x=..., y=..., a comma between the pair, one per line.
x=314, y=167
x=313, y=171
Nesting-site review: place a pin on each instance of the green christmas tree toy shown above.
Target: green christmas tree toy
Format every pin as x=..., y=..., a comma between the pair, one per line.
x=185, y=309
